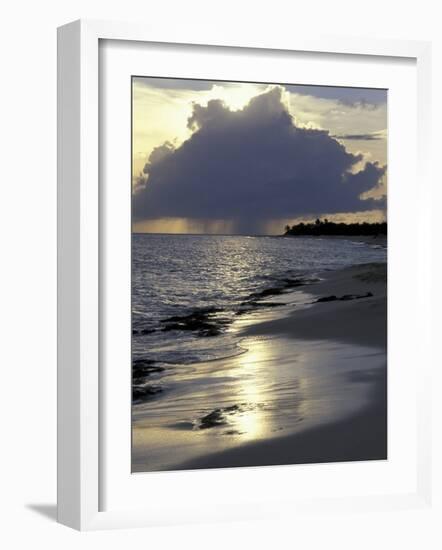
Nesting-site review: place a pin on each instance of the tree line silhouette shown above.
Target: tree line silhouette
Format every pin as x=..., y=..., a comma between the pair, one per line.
x=325, y=227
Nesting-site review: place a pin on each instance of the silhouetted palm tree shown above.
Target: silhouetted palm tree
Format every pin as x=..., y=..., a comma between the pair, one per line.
x=331, y=228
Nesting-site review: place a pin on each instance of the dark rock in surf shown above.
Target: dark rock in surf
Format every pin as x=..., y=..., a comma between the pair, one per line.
x=267, y=304
x=210, y=331
x=293, y=283
x=247, y=307
x=202, y=322
x=232, y=408
x=218, y=417
x=286, y=284
x=143, y=393
x=142, y=368
x=143, y=362
x=143, y=331
x=215, y=418
x=272, y=291
x=326, y=299
x=346, y=297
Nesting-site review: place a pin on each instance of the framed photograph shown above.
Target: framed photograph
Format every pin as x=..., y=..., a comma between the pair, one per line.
x=234, y=250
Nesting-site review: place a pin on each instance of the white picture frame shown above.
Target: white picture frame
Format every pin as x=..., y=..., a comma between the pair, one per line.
x=79, y=275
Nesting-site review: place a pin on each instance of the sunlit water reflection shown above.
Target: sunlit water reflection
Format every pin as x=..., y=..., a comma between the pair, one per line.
x=277, y=387
x=178, y=274
x=223, y=391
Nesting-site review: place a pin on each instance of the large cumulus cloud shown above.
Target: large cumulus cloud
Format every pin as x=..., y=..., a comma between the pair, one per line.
x=253, y=165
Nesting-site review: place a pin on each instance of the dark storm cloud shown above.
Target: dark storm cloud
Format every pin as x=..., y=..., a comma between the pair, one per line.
x=253, y=165
x=175, y=83
x=364, y=97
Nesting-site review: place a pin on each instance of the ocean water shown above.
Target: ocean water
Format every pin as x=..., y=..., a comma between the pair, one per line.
x=191, y=298
x=178, y=275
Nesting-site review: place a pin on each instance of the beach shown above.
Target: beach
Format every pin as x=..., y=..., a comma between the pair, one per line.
x=258, y=276
x=309, y=386
x=363, y=434
x=355, y=319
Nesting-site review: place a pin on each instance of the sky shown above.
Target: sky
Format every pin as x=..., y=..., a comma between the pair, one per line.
x=245, y=158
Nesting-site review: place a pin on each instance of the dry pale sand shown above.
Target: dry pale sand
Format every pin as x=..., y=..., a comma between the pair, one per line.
x=359, y=321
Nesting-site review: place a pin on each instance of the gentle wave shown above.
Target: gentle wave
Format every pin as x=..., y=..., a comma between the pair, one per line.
x=179, y=277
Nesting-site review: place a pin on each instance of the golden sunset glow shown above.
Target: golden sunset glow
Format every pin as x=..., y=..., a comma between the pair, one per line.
x=161, y=115
x=162, y=109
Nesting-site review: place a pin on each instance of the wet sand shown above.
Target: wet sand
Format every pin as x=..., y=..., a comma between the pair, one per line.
x=356, y=321
x=360, y=436
x=311, y=387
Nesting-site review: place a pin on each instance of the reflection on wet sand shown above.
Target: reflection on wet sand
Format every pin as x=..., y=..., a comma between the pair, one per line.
x=278, y=386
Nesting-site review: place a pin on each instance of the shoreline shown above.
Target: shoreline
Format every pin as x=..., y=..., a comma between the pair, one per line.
x=358, y=321
x=359, y=437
